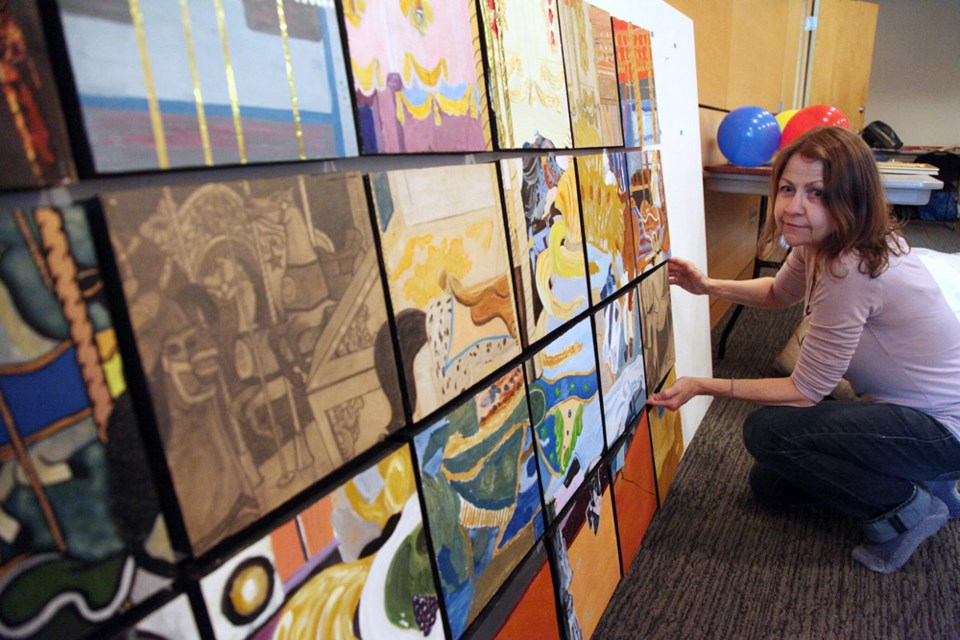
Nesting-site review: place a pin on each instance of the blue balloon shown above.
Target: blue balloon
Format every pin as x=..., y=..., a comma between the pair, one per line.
x=749, y=136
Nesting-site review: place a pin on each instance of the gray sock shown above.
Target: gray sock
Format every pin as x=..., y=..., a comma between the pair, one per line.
x=946, y=490
x=887, y=557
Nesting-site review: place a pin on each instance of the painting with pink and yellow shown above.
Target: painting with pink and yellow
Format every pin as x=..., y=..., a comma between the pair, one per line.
x=418, y=76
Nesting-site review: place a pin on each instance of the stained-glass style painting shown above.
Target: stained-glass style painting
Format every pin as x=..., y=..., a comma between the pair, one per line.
x=586, y=558
x=479, y=475
x=620, y=349
x=528, y=91
x=638, y=95
x=610, y=220
x=525, y=606
x=259, y=317
x=33, y=136
x=165, y=85
x=173, y=621
x=634, y=489
x=592, y=92
x=543, y=212
x=82, y=535
x=353, y=564
x=650, y=205
x=565, y=411
x=418, y=76
x=445, y=253
x=666, y=433
x=656, y=321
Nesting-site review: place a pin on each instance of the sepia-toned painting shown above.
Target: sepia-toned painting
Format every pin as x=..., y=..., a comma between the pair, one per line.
x=565, y=412
x=83, y=537
x=478, y=474
x=591, y=81
x=33, y=135
x=528, y=90
x=165, y=84
x=543, y=213
x=666, y=433
x=620, y=353
x=634, y=488
x=585, y=556
x=418, y=76
x=638, y=95
x=649, y=201
x=656, y=321
x=354, y=564
x=259, y=317
x=445, y=253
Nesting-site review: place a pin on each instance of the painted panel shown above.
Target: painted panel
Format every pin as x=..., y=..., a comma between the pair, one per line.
x=638, y=94
x=528, y=90
x=445, y=253
x=418, y=76
x=667, y=435
x=610, y=219
x=370, y=578
x=543, y=212
x=634, y=489
x=259, y=317
x=656, y=320
x=180, y=84
x=594, y=110
x=173, y=621
x=647, y=193
x=479, y=477
x=586, y=559
x=525, y=605
x=565, y=411
x=620, y=352
x=82, y=535
x=33, y=135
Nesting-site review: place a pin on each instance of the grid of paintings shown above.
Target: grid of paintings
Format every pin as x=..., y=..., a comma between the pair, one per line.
x=450, y=357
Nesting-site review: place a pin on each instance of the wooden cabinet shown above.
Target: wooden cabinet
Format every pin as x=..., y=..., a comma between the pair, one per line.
x=839, y=73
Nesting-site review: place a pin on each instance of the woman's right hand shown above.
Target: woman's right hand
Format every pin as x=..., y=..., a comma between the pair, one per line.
x=685, y=274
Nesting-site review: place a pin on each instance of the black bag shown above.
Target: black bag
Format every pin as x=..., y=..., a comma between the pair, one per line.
x=943, y=202
x=880, y=135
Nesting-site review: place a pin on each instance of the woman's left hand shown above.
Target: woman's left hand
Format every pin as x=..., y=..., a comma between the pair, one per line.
x=677, y=395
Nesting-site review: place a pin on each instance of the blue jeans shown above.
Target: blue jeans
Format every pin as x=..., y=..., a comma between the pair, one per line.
x=862, y=459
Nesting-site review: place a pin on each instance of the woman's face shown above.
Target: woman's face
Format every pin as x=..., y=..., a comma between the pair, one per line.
x=799, y=209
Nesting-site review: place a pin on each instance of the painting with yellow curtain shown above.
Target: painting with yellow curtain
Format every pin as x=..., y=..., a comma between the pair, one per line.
x=352, y=564
x=418, y=75
x=528, y=91
x=591, y=86
x=445, y=256
x=172, y=84
x=546, y=241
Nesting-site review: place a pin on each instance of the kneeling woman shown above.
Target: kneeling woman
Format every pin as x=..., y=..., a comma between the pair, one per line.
x=876, y=316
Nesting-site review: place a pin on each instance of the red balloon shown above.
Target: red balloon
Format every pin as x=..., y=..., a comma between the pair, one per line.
x=812, y=117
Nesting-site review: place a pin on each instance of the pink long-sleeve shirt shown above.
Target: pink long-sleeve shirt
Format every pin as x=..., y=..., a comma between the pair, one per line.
x=894, y=337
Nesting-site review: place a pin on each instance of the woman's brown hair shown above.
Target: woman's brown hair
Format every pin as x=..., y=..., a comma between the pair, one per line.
x=852, y=196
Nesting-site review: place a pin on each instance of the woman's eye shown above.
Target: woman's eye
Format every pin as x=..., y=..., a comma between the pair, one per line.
x=816, y=193
x=784, y=188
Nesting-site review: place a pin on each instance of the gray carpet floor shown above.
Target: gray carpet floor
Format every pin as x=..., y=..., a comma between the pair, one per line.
x=715, y=565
